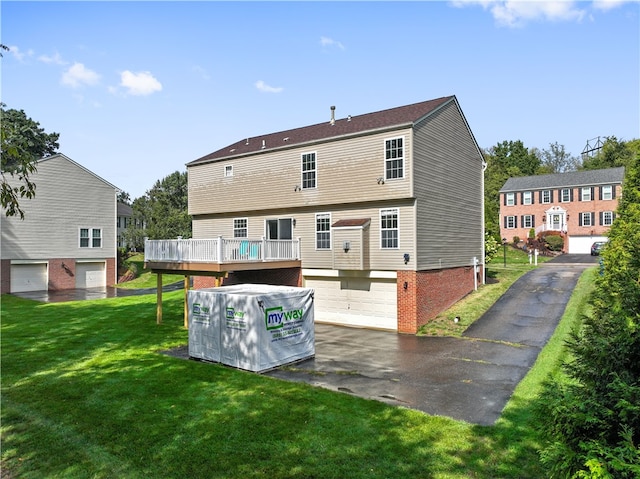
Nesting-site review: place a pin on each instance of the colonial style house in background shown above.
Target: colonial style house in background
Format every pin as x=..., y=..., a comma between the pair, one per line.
x=125, y=218
x=381, y=214
x=68, y=236
x=580, y=205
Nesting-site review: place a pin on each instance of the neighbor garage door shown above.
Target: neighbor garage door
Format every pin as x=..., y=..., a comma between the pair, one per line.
x=355, y=301
x=582, y=244
x=29, y=277
x=90, y=275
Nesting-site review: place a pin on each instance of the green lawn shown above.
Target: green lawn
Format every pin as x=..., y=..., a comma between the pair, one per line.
x=146, y=279
x=85, y=394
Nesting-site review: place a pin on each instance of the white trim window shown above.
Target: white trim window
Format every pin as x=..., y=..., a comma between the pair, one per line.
x=309, y=171
x=394, y=158
x=606, y=218
x=90, y=238
x=240, y=227
x=527, y=221
x=510, y=199
x=527, y=198
x=389, y=230
x=565, y=195
x=607, y=192
x=585, y=194
x=586, y=219
x=323, y=230
x=510, y=222
x=546, y=196
x=228, y=171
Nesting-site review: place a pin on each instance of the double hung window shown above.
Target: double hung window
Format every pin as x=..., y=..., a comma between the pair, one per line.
x=308, y=170
x=323, y=231
x=389, y=228
x=394, y=158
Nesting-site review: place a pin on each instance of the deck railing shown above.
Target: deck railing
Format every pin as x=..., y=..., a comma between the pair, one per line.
x=221, y=250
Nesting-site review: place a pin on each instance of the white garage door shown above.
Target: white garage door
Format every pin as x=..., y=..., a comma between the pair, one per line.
x=582, y=244
x=355, y=301
x=90, y=275
x=29, y=277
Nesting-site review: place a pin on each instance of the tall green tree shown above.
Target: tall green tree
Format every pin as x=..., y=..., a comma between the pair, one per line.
x=590, y=419
x=505, y=160
x=24, y=142
x=162, y=212
x=557, y=160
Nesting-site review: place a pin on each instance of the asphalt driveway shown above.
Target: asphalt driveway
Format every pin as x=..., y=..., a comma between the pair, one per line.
x=469, y=378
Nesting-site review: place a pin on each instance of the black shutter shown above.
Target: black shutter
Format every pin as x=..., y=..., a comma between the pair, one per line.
x=593, y=219
x=571, y=194
x=600, y=195
x=504, y=199
x=579, y=219
x=550, y=196
x=515, y=221
x=533, y=221
x=613, y=192
x=505, y=222
x=540, y=196
x=592, y=197
x=601, y=214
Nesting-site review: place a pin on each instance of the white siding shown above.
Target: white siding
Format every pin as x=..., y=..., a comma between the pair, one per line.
x=68, y=197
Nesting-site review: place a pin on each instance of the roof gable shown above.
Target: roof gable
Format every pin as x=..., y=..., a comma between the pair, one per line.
x=60, y=156
x=352, y=125
x=569, y=179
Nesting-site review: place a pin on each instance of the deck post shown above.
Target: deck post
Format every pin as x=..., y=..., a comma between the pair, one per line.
x=159, y=299
x=186, y=302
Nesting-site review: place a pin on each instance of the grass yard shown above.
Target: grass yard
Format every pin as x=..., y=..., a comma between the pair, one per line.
x=146, y=279
x=86, y=394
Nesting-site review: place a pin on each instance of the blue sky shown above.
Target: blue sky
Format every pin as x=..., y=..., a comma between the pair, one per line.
x=136, y=90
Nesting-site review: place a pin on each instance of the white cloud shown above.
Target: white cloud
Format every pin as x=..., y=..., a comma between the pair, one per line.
x=608, y=4
x=142, y=83
x=18, y=54
x=262, y=86
x=516, y=13
x=78, y=75
x=330, y=42
x=56, y=59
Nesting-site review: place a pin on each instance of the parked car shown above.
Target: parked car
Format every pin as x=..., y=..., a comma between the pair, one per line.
x=597, y=247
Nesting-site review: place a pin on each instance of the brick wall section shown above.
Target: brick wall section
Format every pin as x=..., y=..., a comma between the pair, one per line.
x=429, y=293
x=5, y=276
x=280, y=277
x=112, y=273
x=62, y=277
x=574, y=208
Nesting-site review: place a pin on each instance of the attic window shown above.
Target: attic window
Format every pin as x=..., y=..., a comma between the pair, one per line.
x=228, y=171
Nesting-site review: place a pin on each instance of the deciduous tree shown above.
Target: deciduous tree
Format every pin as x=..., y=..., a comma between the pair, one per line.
x=23, y=144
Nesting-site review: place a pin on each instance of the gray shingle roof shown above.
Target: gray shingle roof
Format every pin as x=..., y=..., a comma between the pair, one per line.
x=403, y=115
x=565, y=180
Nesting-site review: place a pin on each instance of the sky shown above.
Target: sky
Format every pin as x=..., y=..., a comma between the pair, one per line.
x=138, y=89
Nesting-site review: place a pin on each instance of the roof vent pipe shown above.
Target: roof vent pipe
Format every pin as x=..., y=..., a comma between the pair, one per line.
x=264, y=144
x=333, y=116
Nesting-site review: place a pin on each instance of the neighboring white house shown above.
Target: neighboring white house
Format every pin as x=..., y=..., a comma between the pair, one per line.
x=383, y=213
x=68, y=236
x=125, y=219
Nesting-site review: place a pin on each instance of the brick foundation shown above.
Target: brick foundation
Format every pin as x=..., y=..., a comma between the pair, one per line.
x=62, y=273
x=428, y=293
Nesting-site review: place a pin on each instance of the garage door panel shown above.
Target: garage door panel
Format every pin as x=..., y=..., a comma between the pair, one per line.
x=29, y=277
x=90, y=275
x=362, y=302
x=582, y=244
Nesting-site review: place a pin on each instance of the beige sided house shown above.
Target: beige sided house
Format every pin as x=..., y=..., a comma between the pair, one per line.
x=68, y=236
x=381, y=214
